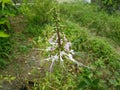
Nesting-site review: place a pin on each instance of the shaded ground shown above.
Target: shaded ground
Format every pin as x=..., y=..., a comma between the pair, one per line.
x=23, y=69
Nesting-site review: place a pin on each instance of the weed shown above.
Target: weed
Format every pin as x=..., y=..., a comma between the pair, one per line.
x=96, y=21
x=33, y=30
x=38, y=13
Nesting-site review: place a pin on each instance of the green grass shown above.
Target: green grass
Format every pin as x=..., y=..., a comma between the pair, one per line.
x=97, y=21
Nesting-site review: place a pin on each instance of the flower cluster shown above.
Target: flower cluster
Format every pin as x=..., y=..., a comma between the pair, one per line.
x=64, y=53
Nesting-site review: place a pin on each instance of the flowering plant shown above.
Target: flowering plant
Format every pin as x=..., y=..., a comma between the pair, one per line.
x=60, y=45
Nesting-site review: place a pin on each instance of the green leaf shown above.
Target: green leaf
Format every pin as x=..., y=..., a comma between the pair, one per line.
x=12, y=78
x=110, y=2
x=82, y=85
x=6, y=1
x=96, y=81
x=3, y=21
x=87, y=80
x=3, y=34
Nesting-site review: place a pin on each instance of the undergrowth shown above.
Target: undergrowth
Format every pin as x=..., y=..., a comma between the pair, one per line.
x=100, y=54
x=91, y=50
x=97, y=21
x=7, y=10
x=38, y=13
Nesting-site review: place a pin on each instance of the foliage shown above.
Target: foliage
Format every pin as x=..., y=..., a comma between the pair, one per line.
x=56, y=80
x=38, y=13
x=97, y=22
x=89, y=49
x=33, y=30
x=87, y=81
x=93, y=51
x=109, y=5
x=38, y=16
x=6, y=10
x=60, y=46
x=2, y=34
x=7, y=78
x=5, y=50
x=99, y=54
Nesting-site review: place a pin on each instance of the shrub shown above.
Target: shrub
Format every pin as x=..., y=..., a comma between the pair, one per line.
x=5, y=51
x=39, y=12
x=98, y=53
x=6, y=10
x=96, y=21
x=109, y=6
x=33, y=30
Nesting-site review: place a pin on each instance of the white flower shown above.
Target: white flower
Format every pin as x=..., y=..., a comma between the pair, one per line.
x=55, y=57
x=50, y=48
x=67, y=46
x=48, y=59
x=61, y=41
x=29, y=73
x=62, y=53
x=52, y=43
x=61, y=58
x=71, y=57
x=72, y=52
x=51, y=40
x=65, y=39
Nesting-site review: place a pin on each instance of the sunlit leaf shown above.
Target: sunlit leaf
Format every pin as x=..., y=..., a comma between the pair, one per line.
x=3, y=34
x=13, y=78
x=3, y=21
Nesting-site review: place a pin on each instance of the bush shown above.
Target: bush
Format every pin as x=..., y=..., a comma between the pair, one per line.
x=96, y=21
x=33, y=30
x=6, y=10
x=110, y=6
x=5, y=51
x=39, y=12
x=97, y=53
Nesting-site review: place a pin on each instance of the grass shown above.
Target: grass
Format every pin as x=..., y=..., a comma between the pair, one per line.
x=100, y=54
x=96, y=21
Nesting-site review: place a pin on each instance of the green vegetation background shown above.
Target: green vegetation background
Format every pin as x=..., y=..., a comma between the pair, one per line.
x=95, y=37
